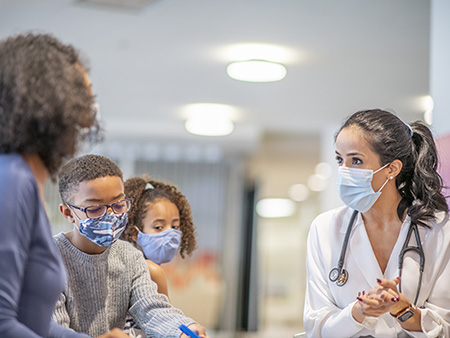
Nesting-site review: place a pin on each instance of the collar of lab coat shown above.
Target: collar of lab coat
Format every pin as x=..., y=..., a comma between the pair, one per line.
x=361, y=250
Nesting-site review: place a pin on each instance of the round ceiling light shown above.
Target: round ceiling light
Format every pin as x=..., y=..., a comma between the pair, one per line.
x=210, y=127
x=256, y=71
x=209, y=119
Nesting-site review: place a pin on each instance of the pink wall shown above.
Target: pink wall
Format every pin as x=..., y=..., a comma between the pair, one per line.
x=443, y=148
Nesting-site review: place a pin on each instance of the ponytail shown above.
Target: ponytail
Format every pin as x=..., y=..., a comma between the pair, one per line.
x=423, y=185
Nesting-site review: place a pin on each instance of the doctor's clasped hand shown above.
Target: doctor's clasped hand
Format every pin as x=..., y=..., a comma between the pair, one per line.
x=383, y=298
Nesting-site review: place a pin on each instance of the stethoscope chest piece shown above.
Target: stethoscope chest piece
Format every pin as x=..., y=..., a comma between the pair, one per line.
x=339, y=277
x=334, y=274
x=343, y=277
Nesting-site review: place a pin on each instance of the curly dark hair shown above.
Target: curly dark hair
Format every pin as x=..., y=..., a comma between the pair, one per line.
x=45, y=100
x=135, y=187
x=84, y=168
x=419, y=183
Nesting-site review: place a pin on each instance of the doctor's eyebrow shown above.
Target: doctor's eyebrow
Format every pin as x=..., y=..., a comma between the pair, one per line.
x=350, y=154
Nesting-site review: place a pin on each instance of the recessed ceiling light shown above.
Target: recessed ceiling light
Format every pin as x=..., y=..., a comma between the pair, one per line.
x=256, y=71
x=209, y=127
x=209, y=119
x=275, y=207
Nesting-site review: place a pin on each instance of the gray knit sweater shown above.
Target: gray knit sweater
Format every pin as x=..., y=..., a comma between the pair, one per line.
x=102, y=289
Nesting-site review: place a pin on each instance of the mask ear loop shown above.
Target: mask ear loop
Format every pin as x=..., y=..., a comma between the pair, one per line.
x=383, y=185
x=381, y=168
x=73, y=212
x=79, y=219
x=387, y=180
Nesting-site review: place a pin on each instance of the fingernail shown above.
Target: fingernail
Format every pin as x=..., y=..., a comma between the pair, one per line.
x=358, y=298
x=364, y=292
x=378, y=281
x=394, y=299
x=359, y=294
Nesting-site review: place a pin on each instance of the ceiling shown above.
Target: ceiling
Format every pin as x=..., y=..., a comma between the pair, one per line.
x=147, y=63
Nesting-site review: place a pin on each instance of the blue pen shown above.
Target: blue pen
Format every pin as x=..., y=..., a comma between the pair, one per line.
x=188, y=331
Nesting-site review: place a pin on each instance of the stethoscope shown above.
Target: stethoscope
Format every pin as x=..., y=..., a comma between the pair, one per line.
x=340, y=275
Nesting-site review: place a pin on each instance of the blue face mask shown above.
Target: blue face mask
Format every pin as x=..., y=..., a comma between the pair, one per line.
x=104, y=230
x=160, y=247
x=355, y=187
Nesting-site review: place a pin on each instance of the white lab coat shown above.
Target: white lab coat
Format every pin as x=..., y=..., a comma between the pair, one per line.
x=328, y=307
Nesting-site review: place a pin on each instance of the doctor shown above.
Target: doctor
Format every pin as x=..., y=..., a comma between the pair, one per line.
x=387, y=178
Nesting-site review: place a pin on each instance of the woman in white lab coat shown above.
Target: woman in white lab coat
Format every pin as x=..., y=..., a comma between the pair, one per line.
x=387, y=173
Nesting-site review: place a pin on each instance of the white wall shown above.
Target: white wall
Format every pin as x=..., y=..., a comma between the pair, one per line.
x=440, y=65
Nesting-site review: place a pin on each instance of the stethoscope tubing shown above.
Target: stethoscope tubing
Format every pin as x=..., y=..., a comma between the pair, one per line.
x=419, y=250
x=346, y=240
x=340, y=275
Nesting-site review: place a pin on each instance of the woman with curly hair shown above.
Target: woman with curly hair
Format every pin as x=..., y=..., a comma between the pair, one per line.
x=45, y=110
x=159, y=223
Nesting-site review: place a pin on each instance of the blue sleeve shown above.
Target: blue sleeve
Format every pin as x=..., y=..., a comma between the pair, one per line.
x=19, y=201
x=14, y=240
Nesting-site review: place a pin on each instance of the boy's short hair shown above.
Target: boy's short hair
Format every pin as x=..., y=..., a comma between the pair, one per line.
x=84, y=168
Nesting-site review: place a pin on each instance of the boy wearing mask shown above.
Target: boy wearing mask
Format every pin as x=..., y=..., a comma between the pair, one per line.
x=107, y=277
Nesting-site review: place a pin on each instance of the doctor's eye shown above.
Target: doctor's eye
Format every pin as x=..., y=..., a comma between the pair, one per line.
x=339, y=160
x=356, y=161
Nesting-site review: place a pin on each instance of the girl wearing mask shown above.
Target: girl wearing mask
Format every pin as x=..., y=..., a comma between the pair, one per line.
x=160, y=223
x=380, y=266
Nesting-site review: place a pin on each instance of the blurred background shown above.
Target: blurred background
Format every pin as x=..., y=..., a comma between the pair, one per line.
x=237, y=102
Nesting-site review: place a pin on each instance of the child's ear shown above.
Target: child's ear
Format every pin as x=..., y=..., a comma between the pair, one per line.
x=66, y=212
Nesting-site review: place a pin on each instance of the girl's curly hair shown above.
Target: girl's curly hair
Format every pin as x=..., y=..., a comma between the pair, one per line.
x=45, y=102
x=135, y=188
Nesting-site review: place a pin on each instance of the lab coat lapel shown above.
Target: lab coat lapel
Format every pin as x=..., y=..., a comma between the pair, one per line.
x=360, y=250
